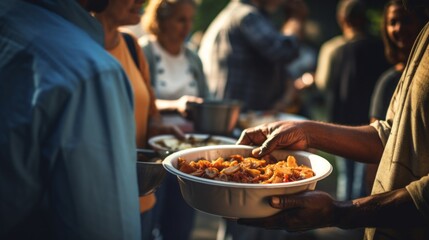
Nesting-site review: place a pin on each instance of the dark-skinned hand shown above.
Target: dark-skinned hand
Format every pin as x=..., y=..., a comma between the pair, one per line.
x=300, y=212
x=276, y=135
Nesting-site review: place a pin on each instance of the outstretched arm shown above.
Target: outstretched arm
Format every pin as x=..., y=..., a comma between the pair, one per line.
x=360, y=142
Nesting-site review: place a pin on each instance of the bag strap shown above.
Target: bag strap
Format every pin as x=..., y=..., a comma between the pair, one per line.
x=131, y=47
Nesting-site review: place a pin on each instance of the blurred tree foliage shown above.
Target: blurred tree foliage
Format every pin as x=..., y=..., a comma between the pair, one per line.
x=207, y=11
x=375, y=16
x=323, y=13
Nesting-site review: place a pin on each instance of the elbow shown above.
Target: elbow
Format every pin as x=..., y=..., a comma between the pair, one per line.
x=377, y=148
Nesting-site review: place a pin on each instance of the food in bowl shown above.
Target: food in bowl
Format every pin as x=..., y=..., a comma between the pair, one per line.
x=237, y=168
x=171, y=143
x=240, y=200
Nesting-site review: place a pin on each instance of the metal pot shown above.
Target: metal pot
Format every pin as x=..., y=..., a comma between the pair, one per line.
x=150, y=172
x=217, y=117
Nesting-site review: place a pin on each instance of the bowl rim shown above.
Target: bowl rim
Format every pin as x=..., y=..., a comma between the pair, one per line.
x=218, y=103
x=149, y=163
x=152, y=141
x=167, y=163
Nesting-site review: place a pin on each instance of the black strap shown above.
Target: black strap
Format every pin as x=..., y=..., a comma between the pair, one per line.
x=131, y=47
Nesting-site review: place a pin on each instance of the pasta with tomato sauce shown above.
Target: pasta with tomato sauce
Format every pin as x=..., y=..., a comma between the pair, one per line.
x=237, y=168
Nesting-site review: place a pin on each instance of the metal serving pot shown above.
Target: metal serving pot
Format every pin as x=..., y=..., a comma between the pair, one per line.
x=150, y=172
x=215, y=116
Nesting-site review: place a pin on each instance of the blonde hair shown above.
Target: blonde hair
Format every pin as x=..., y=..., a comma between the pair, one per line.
x=158, y=11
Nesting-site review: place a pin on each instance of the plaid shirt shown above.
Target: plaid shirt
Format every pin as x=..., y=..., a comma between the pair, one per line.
x=244, y=55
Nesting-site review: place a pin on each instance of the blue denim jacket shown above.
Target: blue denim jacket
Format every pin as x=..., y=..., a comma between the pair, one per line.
x=67, y=145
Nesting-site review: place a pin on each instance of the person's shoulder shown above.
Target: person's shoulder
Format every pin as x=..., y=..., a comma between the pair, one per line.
x=389, y=76
x=244, y=12
x=125, y=31
x=386, y=85
x=146, y=44
x=247, y=8
x=425, y=32
x=334, y=41
x=237, y=6
x=190, y=52
x=193, y=57
x=355, y=44
x=144, y=41
x=332, y=44
x=366, y=41
x=72, y=55
x=76, y=54
x=128, y=34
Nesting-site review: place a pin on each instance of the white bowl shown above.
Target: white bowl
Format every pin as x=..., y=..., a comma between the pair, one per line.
x=240, y=200
x=154, y=142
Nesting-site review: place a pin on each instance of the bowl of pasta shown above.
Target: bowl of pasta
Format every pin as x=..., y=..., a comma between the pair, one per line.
x=226, y=181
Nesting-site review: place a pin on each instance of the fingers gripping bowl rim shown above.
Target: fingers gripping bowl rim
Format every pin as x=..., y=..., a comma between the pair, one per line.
x=240, y=200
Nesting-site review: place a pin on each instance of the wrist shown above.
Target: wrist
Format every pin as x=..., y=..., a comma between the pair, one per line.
x=176, y=105
x=310, y=129
x=344, y=214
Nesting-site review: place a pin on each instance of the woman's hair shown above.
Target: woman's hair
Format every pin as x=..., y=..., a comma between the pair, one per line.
x=393, y=54
x=158, y=11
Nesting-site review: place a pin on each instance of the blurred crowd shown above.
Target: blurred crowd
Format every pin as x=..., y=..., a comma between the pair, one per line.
x=85, y=83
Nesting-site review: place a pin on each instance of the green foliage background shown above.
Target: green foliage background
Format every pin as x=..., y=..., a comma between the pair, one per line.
x=207, y=11
x=321, y=11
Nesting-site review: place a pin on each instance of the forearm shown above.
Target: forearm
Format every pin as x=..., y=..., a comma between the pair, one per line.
x=390, y=209
x=361, y=143
x=166, y=105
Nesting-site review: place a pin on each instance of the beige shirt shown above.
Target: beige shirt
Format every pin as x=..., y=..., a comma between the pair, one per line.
x=405, y=134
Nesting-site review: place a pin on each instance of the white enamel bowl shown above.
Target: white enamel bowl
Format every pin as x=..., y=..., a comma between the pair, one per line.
x=240, y=200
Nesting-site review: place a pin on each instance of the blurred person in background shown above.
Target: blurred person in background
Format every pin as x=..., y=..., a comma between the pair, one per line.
x=398, y=207
x=176, y=71
x=354, y=69
x=67, y=140
x=324, y=70
x=299, y=71
x=243, y=52
x=399, y=30
x=124, y=47
x=178, y=79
